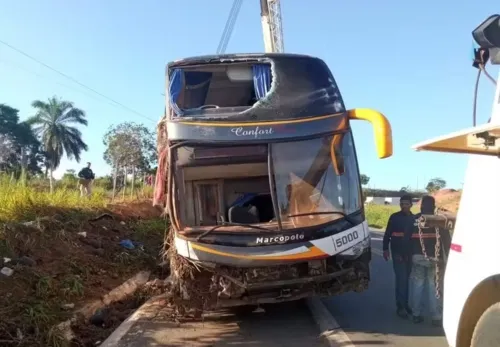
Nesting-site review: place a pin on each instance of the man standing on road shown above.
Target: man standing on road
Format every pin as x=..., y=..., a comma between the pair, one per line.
x=425, y=265
x=86, y=176
x=398, y=234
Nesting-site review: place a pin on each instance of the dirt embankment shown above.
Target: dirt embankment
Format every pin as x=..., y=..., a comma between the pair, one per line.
x=55, y=266
x=446, y=199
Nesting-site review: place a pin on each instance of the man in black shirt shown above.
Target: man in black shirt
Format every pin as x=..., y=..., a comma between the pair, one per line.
x=86, y=176
x=398, y=235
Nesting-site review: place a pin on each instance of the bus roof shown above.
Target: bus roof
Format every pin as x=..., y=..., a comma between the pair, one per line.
x=224, y=58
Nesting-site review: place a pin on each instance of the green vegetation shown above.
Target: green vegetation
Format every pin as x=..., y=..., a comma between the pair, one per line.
x=53, y=124
x=378, y=215
x=20, y=202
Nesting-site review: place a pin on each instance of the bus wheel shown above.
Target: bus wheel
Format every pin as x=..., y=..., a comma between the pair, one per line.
x=486, y=333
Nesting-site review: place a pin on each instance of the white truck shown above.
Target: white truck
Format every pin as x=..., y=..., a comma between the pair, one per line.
x=472, y=277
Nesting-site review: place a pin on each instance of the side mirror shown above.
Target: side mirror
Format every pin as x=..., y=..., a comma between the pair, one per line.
x=381, y=129
x=487, y=36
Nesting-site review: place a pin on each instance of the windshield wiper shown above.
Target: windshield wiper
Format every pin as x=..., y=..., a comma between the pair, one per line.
x=223, y=224
x=346, y=217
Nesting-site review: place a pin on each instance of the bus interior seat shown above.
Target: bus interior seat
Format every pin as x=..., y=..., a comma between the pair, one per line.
x=243, y=214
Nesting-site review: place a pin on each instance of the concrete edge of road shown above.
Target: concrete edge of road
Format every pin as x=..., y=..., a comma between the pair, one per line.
x=115, y=338
x=330, y=329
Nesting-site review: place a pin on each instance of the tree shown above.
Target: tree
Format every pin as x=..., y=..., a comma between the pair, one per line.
x=130, y=148
x=54, y=123
x=69, y=178
x=435, y=184
x=364, y=179
x=19, y=148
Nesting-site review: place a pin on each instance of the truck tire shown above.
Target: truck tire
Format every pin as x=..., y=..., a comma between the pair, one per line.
x=487, y=332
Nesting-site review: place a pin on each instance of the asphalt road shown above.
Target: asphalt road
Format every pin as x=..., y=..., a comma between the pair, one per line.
x=369, y=318
x=281, y=325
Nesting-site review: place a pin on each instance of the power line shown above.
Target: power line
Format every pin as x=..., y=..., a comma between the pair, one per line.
x=54, y=81
x=76, y=81
x=229, y=27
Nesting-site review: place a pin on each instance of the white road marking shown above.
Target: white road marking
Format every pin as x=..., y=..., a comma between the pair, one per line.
x=329, y=327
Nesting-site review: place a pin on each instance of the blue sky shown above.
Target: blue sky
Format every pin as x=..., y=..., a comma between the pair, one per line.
x=407, y=59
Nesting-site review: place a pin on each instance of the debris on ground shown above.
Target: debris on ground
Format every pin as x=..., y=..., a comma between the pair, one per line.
x=57, y=266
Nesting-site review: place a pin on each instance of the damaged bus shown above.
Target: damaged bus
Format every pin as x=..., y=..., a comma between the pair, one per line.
x=259, y=176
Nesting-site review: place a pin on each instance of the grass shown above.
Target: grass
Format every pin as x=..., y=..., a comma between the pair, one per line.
x=23, y=203
x=378, y=215
x=27, y=202
x=67, y=270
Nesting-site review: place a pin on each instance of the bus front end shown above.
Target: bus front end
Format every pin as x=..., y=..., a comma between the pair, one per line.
x=264, y=198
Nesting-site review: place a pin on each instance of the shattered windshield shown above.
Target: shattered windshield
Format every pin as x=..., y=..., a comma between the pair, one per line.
x=316, y=180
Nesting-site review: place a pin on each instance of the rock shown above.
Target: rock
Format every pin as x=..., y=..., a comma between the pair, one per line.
x=6, y=260
x=24, y=260
x=65, y=330
x=7, y=271
x=30, y=223
x=69, y=306
x=82, y=233
x=122, y=223
x=126, y=288
x=98, y=251
x=98, y=317
x=92, y=242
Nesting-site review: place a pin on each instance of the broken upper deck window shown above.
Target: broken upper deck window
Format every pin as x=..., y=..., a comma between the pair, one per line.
x=235, y=86
x=252, y=88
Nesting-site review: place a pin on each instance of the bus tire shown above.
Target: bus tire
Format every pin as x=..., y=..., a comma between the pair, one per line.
x=486, y=332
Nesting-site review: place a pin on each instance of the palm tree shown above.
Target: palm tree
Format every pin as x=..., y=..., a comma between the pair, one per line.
x=53, y=123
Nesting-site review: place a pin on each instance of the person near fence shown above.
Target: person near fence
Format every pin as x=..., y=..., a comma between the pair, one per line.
x=86, y=175
x=424, y=277
x=398, y=235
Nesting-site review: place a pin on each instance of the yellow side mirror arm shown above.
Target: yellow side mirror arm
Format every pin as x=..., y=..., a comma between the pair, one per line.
x=381, y=129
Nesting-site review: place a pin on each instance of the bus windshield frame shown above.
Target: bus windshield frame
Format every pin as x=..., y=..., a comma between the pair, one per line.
x=312, y=182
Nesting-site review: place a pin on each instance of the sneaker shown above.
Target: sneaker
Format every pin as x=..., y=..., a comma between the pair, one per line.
x=437, y=322
x=401, y=312
x=410, y=311
x=417, y=319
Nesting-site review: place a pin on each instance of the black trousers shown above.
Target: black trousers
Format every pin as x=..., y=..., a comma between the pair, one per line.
x=402, y=270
